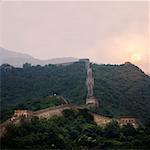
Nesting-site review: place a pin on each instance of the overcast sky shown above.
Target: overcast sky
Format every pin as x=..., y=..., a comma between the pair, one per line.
x=106, y=32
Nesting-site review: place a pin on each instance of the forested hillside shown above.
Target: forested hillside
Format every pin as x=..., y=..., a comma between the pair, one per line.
x=122, y=90
x=20, y=85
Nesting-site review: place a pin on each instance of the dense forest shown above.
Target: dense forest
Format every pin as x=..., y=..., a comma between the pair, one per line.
x=31, y=83
x=75, y=130
x=122, y=90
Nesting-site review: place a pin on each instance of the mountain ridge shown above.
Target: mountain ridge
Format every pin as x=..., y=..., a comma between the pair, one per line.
x=120, y=89
x=17, y=59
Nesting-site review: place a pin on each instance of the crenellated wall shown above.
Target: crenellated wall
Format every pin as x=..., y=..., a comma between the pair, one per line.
x=54, y=111
x=58, y=111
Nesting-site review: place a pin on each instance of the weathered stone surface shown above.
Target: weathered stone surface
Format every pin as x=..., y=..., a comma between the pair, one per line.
x=124, y=120
x=101, y=120
x=91, y=101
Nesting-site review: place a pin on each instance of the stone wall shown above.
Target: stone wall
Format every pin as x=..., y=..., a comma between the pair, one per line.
x=91, y=101
x=128, y=120
x=58, y=111
x=101, y=120
x=55, y=111
x=3, y=127
x=25, y=113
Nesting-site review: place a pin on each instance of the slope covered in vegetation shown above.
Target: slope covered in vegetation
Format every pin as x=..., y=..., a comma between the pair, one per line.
x=74, y=130
x=122, y=90
x=19, y=84
x=30, y=83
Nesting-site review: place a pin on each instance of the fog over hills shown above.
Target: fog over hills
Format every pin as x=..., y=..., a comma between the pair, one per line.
x=18, y=59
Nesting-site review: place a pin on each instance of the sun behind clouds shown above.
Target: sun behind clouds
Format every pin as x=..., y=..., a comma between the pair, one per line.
x=136, y=57
x=132, y=48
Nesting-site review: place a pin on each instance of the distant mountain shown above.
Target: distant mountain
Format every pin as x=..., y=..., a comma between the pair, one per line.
x=18, y=59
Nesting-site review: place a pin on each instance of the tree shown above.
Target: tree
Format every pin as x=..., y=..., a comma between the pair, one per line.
x=26, y=65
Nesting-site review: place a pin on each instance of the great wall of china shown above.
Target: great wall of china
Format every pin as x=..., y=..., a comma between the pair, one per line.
x=91, y=101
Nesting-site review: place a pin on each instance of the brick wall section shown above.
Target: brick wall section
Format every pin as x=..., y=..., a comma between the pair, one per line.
x=55, y=111
x=101, y=120
x=128, y=120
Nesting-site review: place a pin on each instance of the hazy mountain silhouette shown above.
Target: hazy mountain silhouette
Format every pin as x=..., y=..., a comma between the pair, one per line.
x=18, y=59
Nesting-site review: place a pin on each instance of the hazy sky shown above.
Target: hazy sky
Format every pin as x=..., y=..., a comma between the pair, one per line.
x=106, y=31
